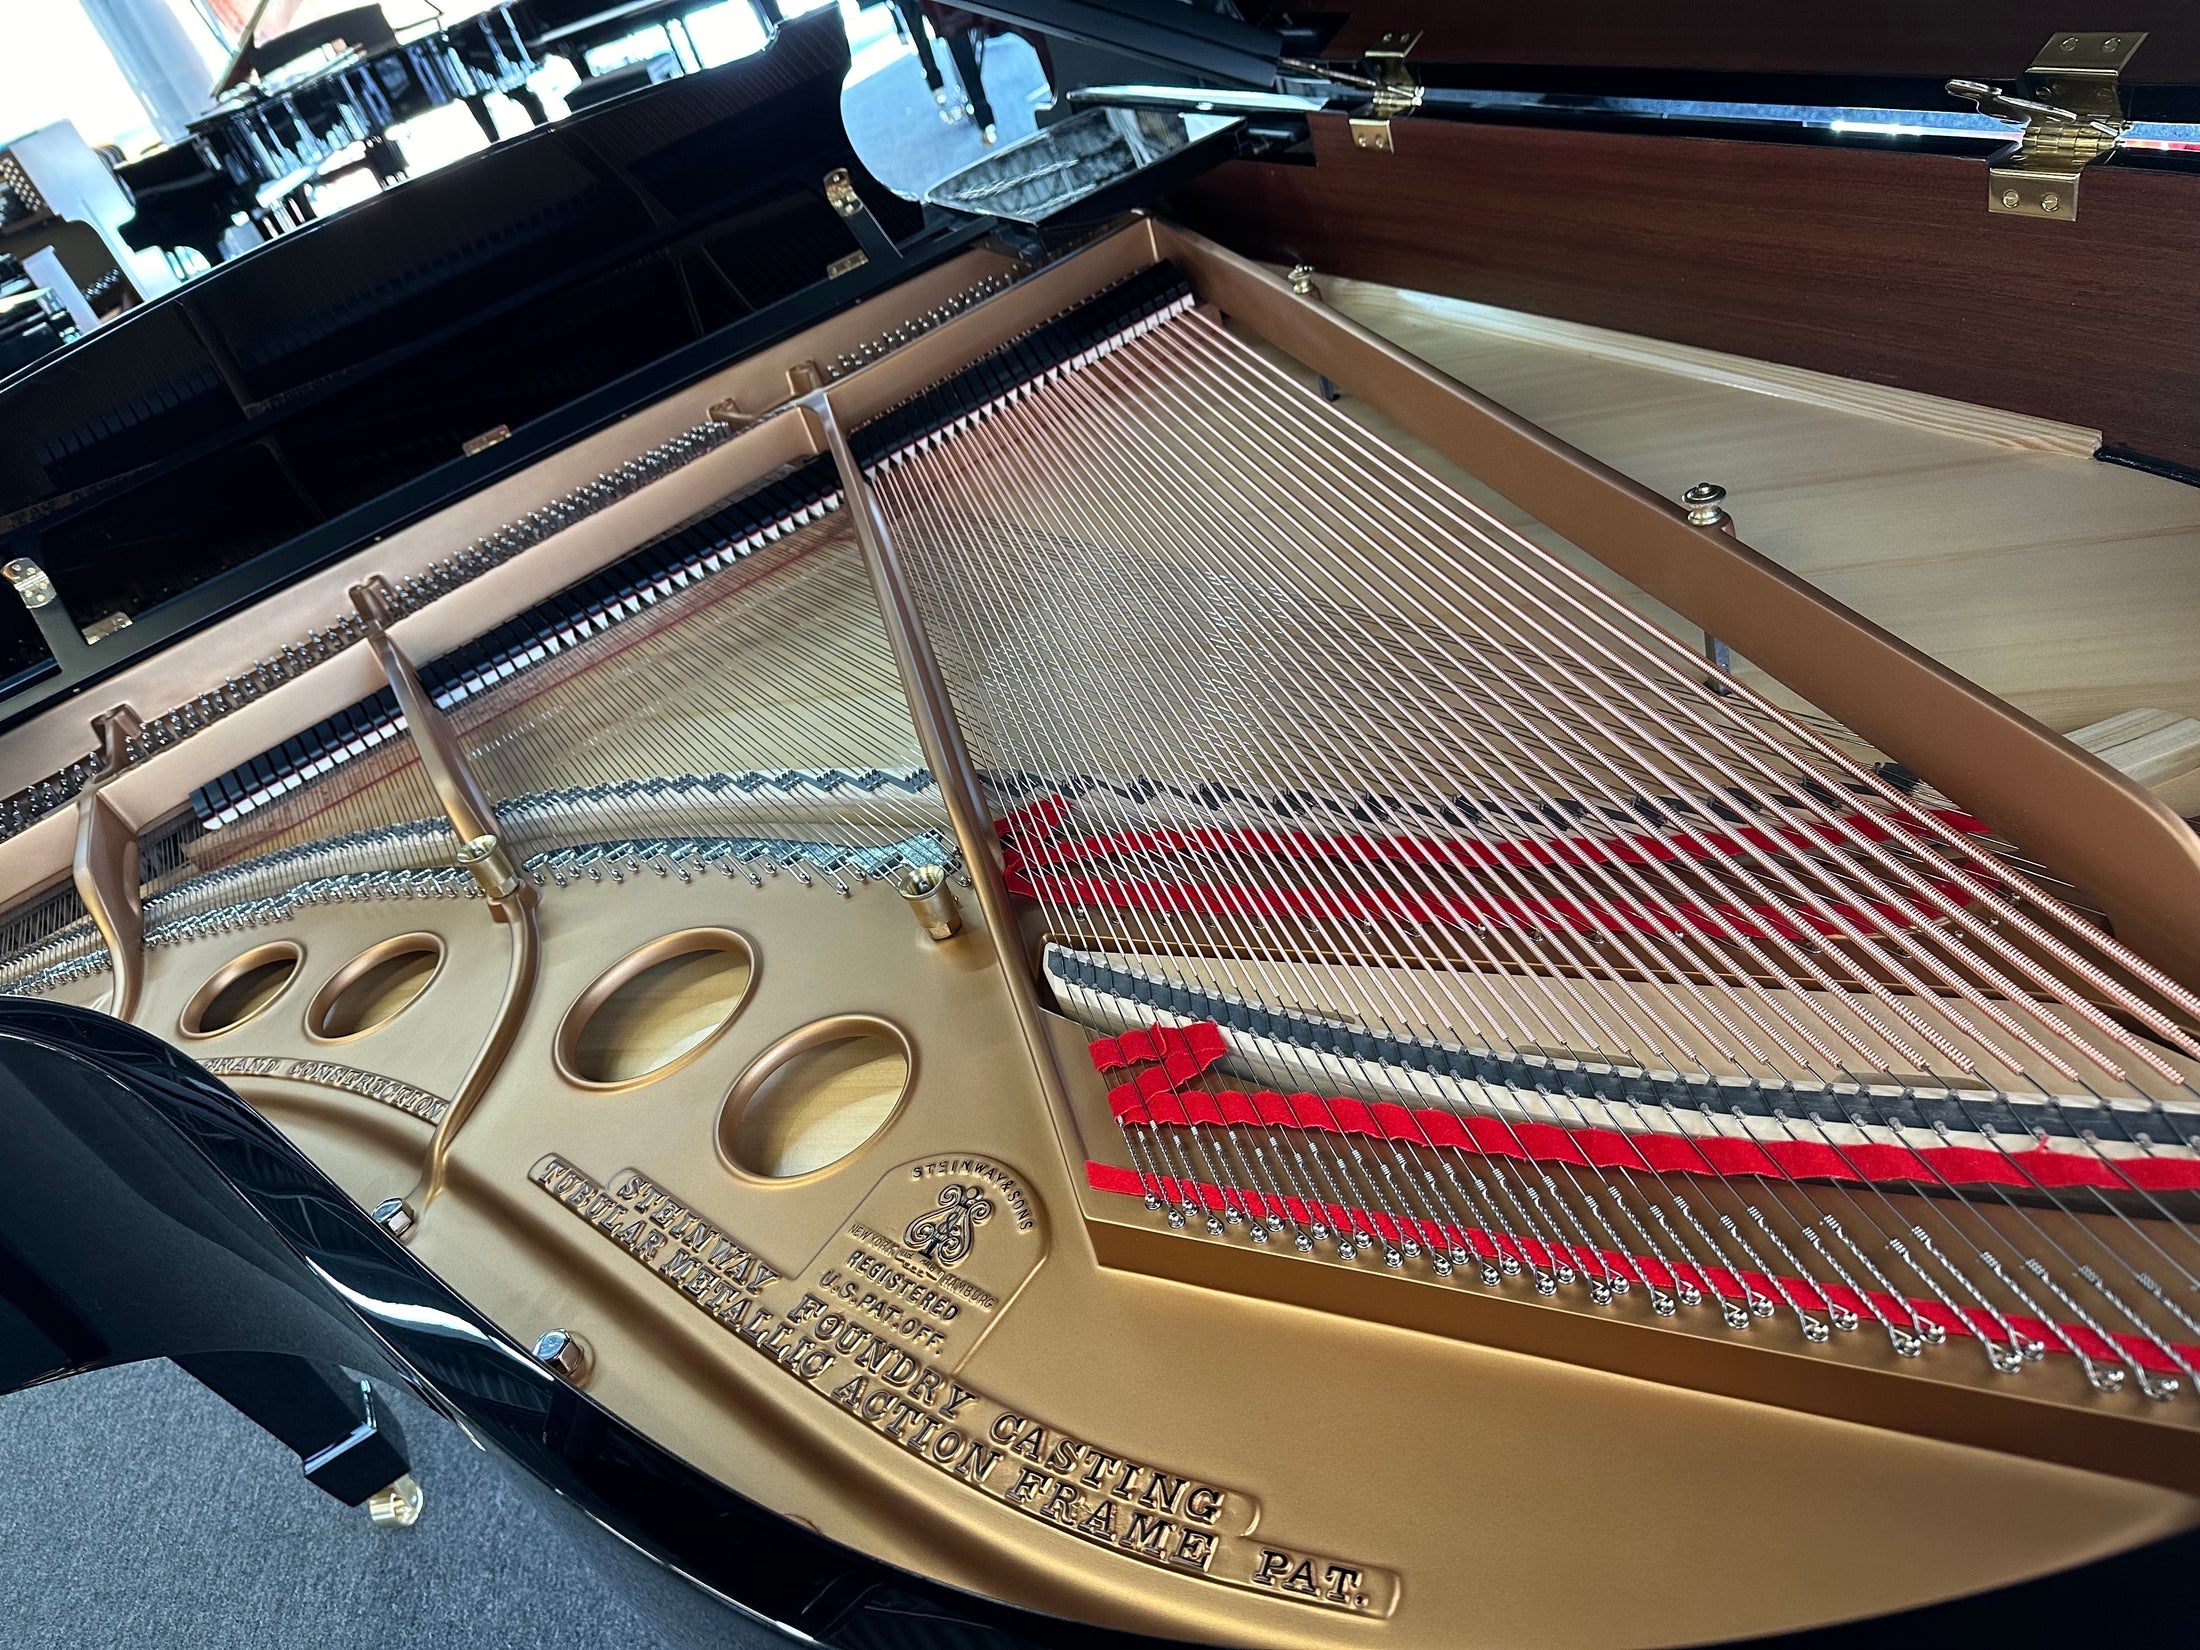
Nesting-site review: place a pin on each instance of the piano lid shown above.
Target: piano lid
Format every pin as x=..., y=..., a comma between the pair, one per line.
x=325, y=387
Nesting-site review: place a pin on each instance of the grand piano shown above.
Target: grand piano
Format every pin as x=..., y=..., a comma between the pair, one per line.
x=1392, y=847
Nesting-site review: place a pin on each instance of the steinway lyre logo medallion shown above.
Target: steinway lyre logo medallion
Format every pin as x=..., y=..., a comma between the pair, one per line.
x=947, y=1234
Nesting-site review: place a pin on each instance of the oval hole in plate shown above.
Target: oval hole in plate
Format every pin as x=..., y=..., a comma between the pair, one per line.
x=815, y=1097
x=656, y=1008
x=374, y=987
x=241, y=989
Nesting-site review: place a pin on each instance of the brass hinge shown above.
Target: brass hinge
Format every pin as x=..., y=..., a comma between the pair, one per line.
x=840, y=189
x=2075, y=117
x=1395, y=89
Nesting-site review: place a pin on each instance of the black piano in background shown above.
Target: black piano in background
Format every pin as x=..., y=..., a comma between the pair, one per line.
x=262, y=147
x=321, y=388
x=573, y=28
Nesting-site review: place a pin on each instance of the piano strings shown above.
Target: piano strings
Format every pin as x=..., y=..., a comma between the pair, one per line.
x=1282, y=728
x=1421, y=900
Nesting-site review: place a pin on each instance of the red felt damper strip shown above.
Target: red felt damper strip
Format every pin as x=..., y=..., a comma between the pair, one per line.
x=1107, y=1055
x=1180, y=1066
x=1203, y=1108
x=1352, y=1116
x=1398, y=1122
x=1204, y=1038
x=1153, y=1082
x=1033, y=820
x=1124, y=1098
x=1238, y=1109
x=1311, y=1112
x=1168, y=1108
x=1137, y=1048
x=1166, y=1040
x=1725, y=1155
x=2056, y=1337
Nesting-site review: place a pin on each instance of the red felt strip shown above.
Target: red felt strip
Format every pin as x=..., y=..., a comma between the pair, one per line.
x=1239, y=1109
x=1724, y=1155
x=1311, y=1113
x=2056, y=1337
x=1153, y=1082
x=1125, y=1098
x=1398, y=1122
x=1275, y=1111
x=1353, y=1117
x=1205, y=1040
x=1183, y=1051
x=1033, y=819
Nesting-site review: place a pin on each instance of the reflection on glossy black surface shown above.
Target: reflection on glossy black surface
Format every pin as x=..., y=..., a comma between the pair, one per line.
x=319, y=390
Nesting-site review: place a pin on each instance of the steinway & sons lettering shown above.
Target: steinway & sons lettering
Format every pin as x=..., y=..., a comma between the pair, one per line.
x=881, y=1378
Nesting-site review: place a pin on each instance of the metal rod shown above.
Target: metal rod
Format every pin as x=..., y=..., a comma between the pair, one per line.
x=105, y=866
x=949, y=757
x=511, y=897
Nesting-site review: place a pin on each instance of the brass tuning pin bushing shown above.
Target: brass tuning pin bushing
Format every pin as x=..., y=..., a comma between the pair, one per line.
x=931, y=901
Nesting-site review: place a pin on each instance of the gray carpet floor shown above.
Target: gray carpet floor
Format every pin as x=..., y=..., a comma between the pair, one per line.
x=138, y=1509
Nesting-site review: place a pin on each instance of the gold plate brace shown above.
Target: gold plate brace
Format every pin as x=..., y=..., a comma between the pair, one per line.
x=511, y=896
x=2075, y=118
x=105, y=868
x=940, y=737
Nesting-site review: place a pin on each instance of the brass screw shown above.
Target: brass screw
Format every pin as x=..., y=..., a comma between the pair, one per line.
x=2049, y=201
x=1302, y=280
x=397, y=1506
x=566, y=1353
x=2112, y=43
x=2009, y=197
